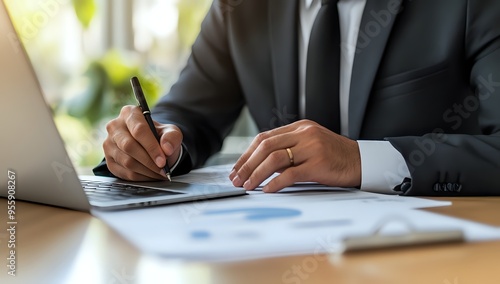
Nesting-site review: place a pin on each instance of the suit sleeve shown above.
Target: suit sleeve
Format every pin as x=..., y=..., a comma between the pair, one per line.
x=207, y=98
x=461, y=164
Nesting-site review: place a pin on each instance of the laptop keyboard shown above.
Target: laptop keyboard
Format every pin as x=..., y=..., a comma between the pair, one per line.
x=108, y=191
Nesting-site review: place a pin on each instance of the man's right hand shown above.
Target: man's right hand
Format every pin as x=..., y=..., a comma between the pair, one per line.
x=133, y=153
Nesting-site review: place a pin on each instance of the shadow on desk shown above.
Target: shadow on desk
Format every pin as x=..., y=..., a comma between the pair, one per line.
x=56, y=245
x=63, y=246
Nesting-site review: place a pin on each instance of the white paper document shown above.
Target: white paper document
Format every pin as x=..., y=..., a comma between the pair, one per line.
x=302, y=220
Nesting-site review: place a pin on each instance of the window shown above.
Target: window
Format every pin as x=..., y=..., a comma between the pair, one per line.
x=85, y=51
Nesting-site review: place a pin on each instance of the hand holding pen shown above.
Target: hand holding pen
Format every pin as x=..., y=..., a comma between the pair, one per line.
x=132, y=150
x=143, y=104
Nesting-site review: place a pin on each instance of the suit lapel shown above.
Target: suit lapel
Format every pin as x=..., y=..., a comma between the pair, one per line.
x=373, y=36
x=283, y=19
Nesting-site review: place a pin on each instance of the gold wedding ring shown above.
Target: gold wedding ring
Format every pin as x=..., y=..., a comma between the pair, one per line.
x=290, y=156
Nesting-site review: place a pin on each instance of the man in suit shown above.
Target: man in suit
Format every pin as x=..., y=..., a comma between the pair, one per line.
x=416, y=111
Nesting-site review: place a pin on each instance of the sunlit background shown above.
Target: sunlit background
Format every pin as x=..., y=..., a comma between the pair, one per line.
x=85, y=51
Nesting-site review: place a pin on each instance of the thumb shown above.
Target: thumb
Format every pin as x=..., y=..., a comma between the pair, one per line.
x=170, y=138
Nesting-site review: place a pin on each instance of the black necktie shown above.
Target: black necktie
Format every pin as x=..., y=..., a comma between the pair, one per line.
x=323, y=68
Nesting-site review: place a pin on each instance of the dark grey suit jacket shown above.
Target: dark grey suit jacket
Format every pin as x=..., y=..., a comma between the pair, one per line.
x=425, y=78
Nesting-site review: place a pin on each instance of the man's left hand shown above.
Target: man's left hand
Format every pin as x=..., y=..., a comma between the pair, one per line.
x=315, y=154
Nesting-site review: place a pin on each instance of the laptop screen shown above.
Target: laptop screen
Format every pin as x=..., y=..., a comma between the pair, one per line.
x=31, y=146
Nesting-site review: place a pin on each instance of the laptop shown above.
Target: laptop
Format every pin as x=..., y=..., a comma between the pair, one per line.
x=35, y=166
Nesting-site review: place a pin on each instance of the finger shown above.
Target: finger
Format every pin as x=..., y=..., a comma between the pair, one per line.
x=262, y=152
x=276, y=161
x=128, y=162
x=171, y=139
x=288, y=178
x=256, y=142
x=140, y=131
x=130, y=154
x=124, y=173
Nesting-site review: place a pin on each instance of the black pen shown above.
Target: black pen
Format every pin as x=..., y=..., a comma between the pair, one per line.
x=143, y=104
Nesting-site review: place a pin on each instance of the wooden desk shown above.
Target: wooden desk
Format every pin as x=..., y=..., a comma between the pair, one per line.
x=62, y=246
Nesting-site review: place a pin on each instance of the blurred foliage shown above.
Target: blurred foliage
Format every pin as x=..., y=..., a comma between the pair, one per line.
x=106, y=87
x=83, y=145
x=85, y=11
x=190, y=15
x=109, y=89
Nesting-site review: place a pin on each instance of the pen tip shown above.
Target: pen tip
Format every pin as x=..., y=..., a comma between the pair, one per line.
x=169, y=177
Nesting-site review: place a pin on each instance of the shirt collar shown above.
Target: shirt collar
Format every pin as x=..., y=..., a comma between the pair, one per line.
x=308, y=3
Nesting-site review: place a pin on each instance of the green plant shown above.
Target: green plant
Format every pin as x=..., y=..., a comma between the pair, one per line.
x=85, y=11
x=108, y=89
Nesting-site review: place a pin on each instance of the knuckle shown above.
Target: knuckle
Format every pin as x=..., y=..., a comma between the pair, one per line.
x=113, y=167
x=176, y=135
x=260, y=137
x=107, y=145
x=111, y=125
x=245, y=170
x=126, y=145
x=275, y=158
x=127, y=162
x=137, y=129
x=309, y=122
x=304, y=122
x=115, y=170
x=237, y=165
x=110, y=161
x=311, y=130
x=267, y=144
x=129, y=175
x=126, y=110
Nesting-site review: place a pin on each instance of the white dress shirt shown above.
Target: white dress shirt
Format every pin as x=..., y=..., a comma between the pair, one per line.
x=382, y=166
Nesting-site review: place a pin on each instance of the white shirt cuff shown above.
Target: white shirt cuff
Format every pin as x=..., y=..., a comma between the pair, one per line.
x=172, y=168
x=382, y=167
